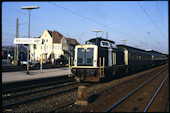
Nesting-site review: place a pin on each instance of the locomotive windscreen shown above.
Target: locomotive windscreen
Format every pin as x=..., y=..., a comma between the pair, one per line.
x=85, y=57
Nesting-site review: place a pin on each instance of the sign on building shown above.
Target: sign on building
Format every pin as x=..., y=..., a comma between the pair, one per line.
x=27, y=41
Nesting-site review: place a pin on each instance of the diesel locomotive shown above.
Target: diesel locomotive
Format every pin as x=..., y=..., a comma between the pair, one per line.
x=101, y=58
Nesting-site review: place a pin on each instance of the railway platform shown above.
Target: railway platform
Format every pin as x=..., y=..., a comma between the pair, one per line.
x=10, y=77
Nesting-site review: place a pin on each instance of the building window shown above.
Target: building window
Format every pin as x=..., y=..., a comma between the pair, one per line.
x=43, y=41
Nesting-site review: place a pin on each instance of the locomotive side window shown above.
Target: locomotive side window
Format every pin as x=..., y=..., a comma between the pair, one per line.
x=113, y=45
x=104, y=44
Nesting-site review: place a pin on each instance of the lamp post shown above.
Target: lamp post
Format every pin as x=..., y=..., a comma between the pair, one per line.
x=29, y=8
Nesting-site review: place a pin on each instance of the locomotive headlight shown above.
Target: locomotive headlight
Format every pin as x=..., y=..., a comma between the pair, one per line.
x=95, y=62
x=74, y=62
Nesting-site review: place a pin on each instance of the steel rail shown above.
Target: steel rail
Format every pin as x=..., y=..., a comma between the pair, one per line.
x=156, y=93
x=38, y=97
x=20, y=68
x=35, y=86
x=133, y=91
x=38, y=91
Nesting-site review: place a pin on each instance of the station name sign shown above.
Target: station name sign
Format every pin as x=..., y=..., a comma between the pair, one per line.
x=27, y=41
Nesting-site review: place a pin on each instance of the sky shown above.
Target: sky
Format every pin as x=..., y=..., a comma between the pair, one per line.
x=143, y=24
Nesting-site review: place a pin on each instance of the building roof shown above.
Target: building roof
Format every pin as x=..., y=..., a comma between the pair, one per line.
x=72, y=41
x=58, y=36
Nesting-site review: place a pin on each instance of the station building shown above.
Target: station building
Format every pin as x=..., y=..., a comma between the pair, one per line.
x=53, y=46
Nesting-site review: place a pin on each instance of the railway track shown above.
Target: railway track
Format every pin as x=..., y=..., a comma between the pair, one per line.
x=35, y=90
x=11, y=102
x=24, y=67
x=147, y=91
x=103, y=97
x=31, y=84
x=67, y=99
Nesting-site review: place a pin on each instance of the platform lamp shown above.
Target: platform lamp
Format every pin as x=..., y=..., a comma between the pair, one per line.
x=29, y=8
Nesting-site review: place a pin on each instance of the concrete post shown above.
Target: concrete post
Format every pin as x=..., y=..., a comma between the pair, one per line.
x=16, y=52
x=82, y=96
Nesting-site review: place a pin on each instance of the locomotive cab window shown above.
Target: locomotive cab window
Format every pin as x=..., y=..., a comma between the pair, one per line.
x=104, y=44
x=85, y=57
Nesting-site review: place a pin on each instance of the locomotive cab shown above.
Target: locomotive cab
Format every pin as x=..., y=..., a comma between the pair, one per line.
x=93, y=59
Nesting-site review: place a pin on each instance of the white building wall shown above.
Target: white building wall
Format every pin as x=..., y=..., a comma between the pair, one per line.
x=47, y=48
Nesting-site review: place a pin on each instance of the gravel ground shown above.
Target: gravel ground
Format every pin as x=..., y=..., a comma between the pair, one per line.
x=95, y=100
x=102, y=101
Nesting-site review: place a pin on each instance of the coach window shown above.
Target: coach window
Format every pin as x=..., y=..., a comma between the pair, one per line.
x=131, y=55
x=139, y=56
x=135, y=56
x=142, y=57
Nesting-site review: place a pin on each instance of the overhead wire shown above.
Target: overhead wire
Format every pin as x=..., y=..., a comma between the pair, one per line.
x=160, y=13
x=91, y=20
x=151, y=19
x=131, y=23
x=86, y=19
x=65, y=27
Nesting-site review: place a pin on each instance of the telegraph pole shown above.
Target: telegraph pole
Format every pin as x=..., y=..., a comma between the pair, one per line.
x=16, y=46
